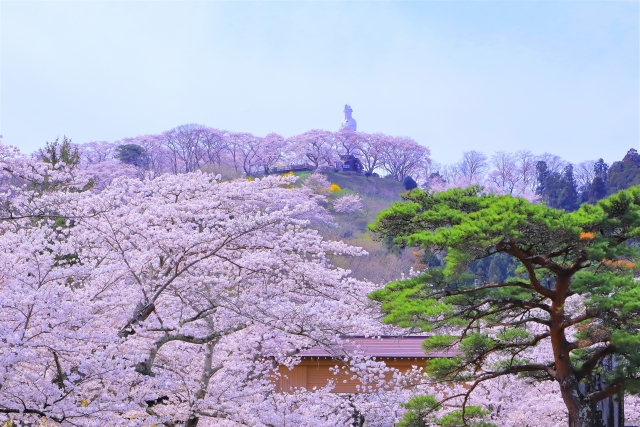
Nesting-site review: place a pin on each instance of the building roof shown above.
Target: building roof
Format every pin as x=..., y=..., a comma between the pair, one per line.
x=387, y=346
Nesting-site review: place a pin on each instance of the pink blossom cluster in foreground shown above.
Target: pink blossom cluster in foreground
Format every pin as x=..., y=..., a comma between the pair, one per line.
x=172, y=301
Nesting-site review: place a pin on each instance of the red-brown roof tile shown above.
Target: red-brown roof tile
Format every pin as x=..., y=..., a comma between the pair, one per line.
x=387, y=346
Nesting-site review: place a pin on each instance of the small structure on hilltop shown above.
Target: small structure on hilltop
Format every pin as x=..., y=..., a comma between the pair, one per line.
x=349, y=163
x=348, y=123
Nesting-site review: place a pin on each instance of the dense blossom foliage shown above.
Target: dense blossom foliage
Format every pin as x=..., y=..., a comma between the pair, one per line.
x=143, y=299
x=348, y=203
x=191, y=147
x=171, y=301
x=545, y=177
x=180, y=287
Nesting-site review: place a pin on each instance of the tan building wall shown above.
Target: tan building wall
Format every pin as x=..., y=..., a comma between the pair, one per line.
x=316, y=372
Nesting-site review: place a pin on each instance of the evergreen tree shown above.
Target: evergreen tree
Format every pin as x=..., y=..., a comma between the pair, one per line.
x=132, y=154
x=542, y=173
x=587, y=256
x=64, y=160
x=597, y=190
x=600, y=168
x=60, y=153
x=557, y=190
x=625, y=173
x=409, y=183
x=568, y=193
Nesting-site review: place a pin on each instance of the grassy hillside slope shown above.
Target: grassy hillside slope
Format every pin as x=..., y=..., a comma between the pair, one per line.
x=381, y=265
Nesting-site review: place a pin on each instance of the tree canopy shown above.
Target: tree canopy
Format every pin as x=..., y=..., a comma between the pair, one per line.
x=571, y=303
x=624, y=173
x=132, y=154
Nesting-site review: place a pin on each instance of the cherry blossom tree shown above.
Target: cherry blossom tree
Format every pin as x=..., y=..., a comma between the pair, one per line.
x=242, y=148
x=317, y=182
x=185, y=143
x=348, y=141
x=214, y=144
x=472, y=167
x=98, y=159
x=103, y=173
x=372, y=149
x=403, y=157
x=55, y=355
x=505, y=171
x=173, y=300
x=314, y=146
x=269, y=151
x=511, y=173
x=96, y=152
x=158, y=156
x=348, y=203
x=168, y=301
x=526, y=162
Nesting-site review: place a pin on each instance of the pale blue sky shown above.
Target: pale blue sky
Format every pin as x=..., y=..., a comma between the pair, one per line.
x=556, y=76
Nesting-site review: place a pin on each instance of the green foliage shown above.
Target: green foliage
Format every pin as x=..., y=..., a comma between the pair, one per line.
x=409, y=183
x=475, y=345
x=447, y=369
x=64, y=158
x=132, y=154
x=496, y=268
x=418, y=409
x=513, y=335
x=438, y=343
x=558, y=190
x=471, y=417
x=625, y=173
x=59, y=153
x=421, y=413
x=405, y=305
x=509, y=265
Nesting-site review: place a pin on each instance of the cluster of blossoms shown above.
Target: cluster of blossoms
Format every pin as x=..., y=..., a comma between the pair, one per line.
x=173, y=301
x=190, y=147
x=170, y=300
x=348, y=203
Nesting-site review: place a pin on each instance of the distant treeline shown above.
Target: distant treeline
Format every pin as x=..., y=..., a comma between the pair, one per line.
x=191, y=147
x=546, y=177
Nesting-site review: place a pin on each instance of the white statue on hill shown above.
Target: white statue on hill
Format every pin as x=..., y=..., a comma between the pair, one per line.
x=349, y=123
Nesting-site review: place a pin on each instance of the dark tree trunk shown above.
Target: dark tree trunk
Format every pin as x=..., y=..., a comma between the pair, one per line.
x=192, y=422
x=580, y=411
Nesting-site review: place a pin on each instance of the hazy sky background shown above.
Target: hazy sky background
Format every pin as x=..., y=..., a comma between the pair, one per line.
x=556, y=76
